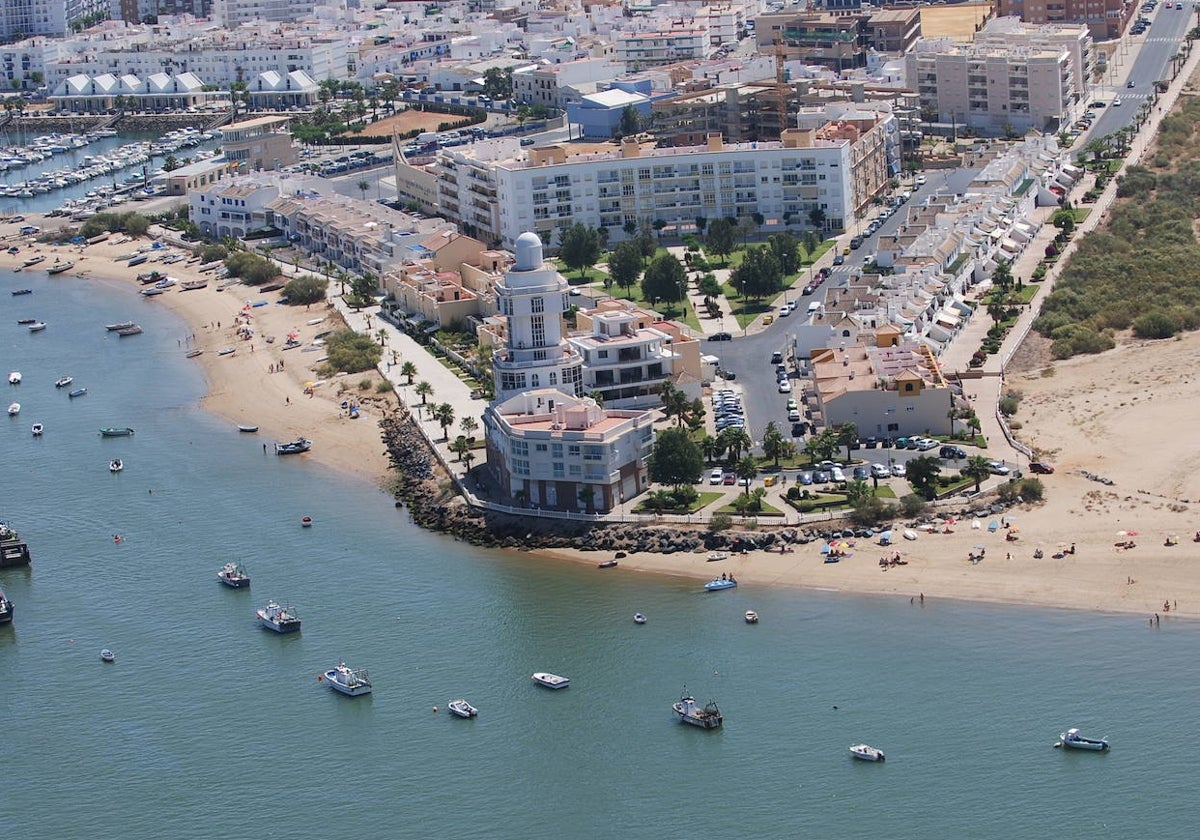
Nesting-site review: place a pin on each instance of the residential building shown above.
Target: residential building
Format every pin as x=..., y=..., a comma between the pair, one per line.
x=640, y=49
x=232, y=206
x=600, y=114
x=1074, y=38
x=447, y=278
x=259, y=143
x=547, y=449
x=22, y=18
x=837, y=41
x=1105, y=19
x=532, y=297
x=233, y=13
x=548, y=84
x=136, y=11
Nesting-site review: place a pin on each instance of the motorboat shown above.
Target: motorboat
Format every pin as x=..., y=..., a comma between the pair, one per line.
x=638, y=618
x=606, y=564
x=305, y=521
x=37, y=429
x=234, y=576
x=138, y=260
x=116, y=465
x=864, y=752
x=14, y=409
x=242, y=428
x=751, y=617
x=113, y=432
x=37, y=326
x=128, y=331
x=1071, y=739
x=191, y=354
x=107, y=655
x=550, y=680
x=347, y=680
x=63, y=381
x=60, y=267
x=277, y=618
x=718, y=555
x=22, y=292
x=226, y=351
x=192, y=285
x=120, y=325
x=717, y=584
x=296, y=446
x=708, y=717
x=6, y=609
x=25, y=322
x=462, y=708
x=152, y=291
x=34, y=260
x=14, y=378
x=78, y=392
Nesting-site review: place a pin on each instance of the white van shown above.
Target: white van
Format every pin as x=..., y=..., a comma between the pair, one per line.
x=815, y=307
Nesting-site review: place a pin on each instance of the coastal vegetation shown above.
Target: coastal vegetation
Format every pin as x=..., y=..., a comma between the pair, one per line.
x=306, y=289
x=133, y=224
x=350, y=352
x=253, y=269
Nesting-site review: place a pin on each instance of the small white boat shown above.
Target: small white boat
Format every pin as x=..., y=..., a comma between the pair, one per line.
x=107, y=655
x=708, y=717
x=116, y=465
x=244, y=428
x=233, y=575
x=14, y=378
x=462, y=708
x=718, y=555
x=751, y=617
x=14, y=409
x=37, y=429
x=37, y=326
x=550, y=680
x=638, y=618
x=1072, y=740
x=909, y=534
x=866, y=753
x=226, y=351
x=347, y=680
x=63, y=381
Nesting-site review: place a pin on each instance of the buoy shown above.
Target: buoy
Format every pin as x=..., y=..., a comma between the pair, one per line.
x=435, y=710
x=116, y=538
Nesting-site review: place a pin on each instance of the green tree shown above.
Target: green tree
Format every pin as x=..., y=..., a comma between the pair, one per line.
x=625, y=264
x=759, y=275
x=1002, y=277
x=630, y=123
x=709, y=448
x=720, y=239
x=816, y=217
x=665, y=279
x=709, y=287
x=675, y=403
x=424, y=391
x=469, y=425
x=364, y=286
x=676, y=459
x=774, y=445
x=409, y=370
x=363, y=186
x=787, y=251
x=746, y=469
x=497, y=83
x=847, y=436
x=857, y=491
x=976, y=468
x=306, y=289
x=351, y=352
x=460, y=447
x=734, y=441
x=821, y=446
x=443, y=415
x=922, y=474
x=171, y=163
x=579, y=247
x=647, y=240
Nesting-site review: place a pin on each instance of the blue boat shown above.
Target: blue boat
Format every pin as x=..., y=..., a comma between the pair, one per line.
x=78, y=392
x=717, y=584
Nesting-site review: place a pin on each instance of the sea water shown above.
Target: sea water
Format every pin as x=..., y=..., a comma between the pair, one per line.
x=208, y=725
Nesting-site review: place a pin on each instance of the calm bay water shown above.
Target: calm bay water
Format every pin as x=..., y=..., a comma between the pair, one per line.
x=208, y=726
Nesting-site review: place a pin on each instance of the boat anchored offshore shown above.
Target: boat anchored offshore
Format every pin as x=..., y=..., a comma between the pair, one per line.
x=6, y=609
x=232, y=574
x=347, y=680
x=550, y=680
x=63, y=381
x=116, y=432
x=107, y=655
x=14, y=378
x=462, y=708
x=78, y=392
x=1071, y=739
x=14, y=409
x=116, y=465
x=864, y=752
x=277, y=618
x=37, y=429
x=708, y=717
x=638, y=618
x=751, y=617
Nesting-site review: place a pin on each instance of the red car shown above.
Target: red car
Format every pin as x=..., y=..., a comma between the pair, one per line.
x=1040, y=468
x=730, y=479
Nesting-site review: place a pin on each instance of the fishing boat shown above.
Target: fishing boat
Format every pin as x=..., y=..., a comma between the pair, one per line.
x=22, y=292
x=63, y=381
x=751, y=617
x=138, y=260
x=305, y=521
x=191, y=354
x=111, y=432
x=59, y=268
x=37, y=429
x=37, y=326
x=14, y=378
x=107, y=655
x=462, y=708
x=192, y=285
x=116, y=465
x=550, y=680
x=14, y=409
x=121, y=325
x=296, y=446
x=717, y=584
x=24, y=322
x=6, y=609
x=349, y=681
x=134, y=330
x=638, y=618
x=864, y=752
x=717, y=556
x=233, y=575
x=78, y=392
x=152, y=291
x=708, y=717
x=34, y=260
x=606, y=564
x=226, y=351
x=1072, y=740
x=242, y=428
x=277, y=618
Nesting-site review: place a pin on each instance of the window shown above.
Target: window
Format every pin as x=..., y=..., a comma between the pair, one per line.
x=556, y=450
x=520, y=466
x=540, y=447
x=520, y=447
x=559, y=470
x=512, y=381
x=533, y=381
x=537, y=305
x=573, y=450
x=593, y=453
x=538, y=328
x=576, y=470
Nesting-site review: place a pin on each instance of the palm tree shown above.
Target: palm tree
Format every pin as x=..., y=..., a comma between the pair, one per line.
x=708, y=445
x=976, y=469
x=847, y=436
x=443, y=414
x=363, y=186
x=735, y=441
x=747, y=469
x=469, y=425
x=460, y=447
x=424, y=391
x=408, y=369
x=381, y=334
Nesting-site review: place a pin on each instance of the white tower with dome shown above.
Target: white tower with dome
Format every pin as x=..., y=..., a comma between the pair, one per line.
x=533, y=297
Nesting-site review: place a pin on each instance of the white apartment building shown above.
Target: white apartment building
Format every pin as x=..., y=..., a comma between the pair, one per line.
x=1075, y=38
x=21, y=18
x=546, y=189
x=532, y=297
x=548, y=85
x=25, y=61
x=627, y=364
x=641, y=49
x=550, y=450
x=993, y=89
x=233, y=13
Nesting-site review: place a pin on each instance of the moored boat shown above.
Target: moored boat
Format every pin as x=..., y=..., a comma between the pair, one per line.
x=607, y=564
x=349, y=681
x=638, y=618
x=37, y=429
x=107, y=655
x=550, y=680
x=34, y=260
x=14, y=378
x=191, y=354
x=63, y=381
x=78, y=392
x=22, y=292
x=60, y=267
x=277, y=618
x=244, y=428
x=152, y=291
x=6, y=609
x=24, y=322
x=113, y=432
x=116, y=465
x=233, y=575
x=296, y=446
x=120, y=325
x=717, y=584
x=708, y=717
x=305, y=521
x=14, y=409
x=462, y=708
x=751, y=617
x=37, y=326
x=134, y=330
x=864, y=752
x=1071, y=739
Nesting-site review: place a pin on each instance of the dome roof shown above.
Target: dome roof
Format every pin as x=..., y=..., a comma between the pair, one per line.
x=528, y=252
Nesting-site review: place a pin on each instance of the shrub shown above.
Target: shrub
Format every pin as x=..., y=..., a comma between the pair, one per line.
x=364, y=384
x=384, y=387
x=912, y=505
x=1008, y=405
x=1155, y=324
x=351, y=352
x=307, y=288
x=720, y=522
x=872, y=511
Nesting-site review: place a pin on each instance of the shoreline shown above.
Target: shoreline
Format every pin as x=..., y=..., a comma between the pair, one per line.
x=1099, y=577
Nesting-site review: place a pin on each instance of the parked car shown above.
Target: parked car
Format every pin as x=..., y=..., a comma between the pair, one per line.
x=998, y=468
x=954, y=452
x=793, y=416
x=839, y=260
x=899, y=470
x=1040, y=467
x=861, y=473
x=925, y=444
x=729, y=479
x=720, y=336
x=777, y=357
x=837, y=475
x=880, y=471
x=805, y=477
x=785, y=387
x=716, y=476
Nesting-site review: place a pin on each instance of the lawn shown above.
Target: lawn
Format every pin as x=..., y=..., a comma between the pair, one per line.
x=594, y=277
x=703, y=500
x=765, y=509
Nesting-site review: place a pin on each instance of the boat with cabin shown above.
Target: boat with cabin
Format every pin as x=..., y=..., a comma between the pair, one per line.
x=863, y=752
x=277, y=618
x=708, y=717
x=116, y=465
x=1072, y=740
x=37, y=326
x=14, y=409
x=14, y=378
x=462, y=708
x=63, y=381
x=346, y=680
x=751, y=617
x=293, y=448
x=113, y=432
x=60, y=267
x=234, y=575
x=550, y=680
x=639, y=618
x=107, y=655
x=6, y=609
x=17, y=292
x=37, y=429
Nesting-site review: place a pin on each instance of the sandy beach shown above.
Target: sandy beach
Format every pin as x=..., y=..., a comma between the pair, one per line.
x=1095, y=414
x=241, y=386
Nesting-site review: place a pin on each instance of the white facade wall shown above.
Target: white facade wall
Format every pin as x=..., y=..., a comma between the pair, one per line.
x=873, y=411
x=20, y=18
x=233, y=13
